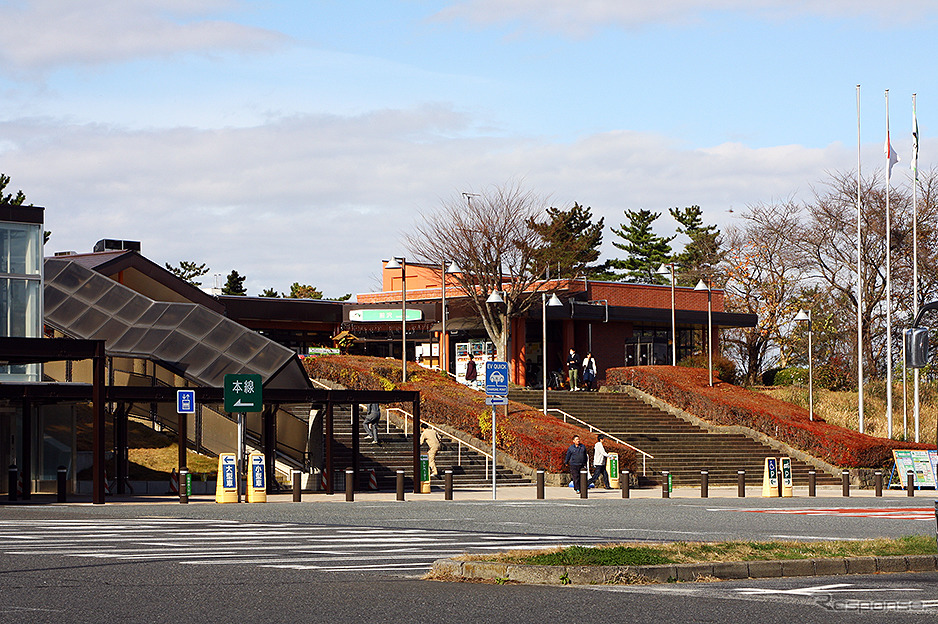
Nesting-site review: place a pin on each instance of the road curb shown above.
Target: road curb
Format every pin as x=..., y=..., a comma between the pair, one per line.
x=450, y=569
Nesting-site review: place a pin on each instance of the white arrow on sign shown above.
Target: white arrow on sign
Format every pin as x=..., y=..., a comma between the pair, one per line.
x=238, y=403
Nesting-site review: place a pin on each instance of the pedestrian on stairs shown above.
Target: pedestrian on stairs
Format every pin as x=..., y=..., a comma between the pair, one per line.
x=589, y=372
x=573, y=369
x=432, y=439
x=370, y=423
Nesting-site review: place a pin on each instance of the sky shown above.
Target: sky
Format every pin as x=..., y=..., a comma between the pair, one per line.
x=301, y=140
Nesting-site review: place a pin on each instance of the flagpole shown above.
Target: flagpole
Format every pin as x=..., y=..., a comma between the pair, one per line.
x=915, y=408
x=859, y=283
x=889, y=163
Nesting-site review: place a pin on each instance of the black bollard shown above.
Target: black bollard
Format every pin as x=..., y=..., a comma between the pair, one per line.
x=878, y=482
x=624, y=483
x=540, y=485
x=349, y=485
x=665, y=490
x=741, y=483
x=704, y=484
x=447, y=485
x=400, y=485
x=297, y=486
x=845, y=481
x=183, y=485
x=910, y=483
x=584, y=483
x=11, y=493
x=812, y=483
x=62, y=484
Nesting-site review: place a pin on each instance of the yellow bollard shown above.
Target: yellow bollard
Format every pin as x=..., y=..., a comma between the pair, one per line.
x=226, y=485
x=770, y=478
x=257, y=479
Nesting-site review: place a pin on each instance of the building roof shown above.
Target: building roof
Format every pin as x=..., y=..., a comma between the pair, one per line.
x=186, y=338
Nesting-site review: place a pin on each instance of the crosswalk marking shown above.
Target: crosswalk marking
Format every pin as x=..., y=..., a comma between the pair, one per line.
x=288, y=545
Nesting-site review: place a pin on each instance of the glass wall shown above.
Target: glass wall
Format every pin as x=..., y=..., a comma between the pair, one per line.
x=20, y=291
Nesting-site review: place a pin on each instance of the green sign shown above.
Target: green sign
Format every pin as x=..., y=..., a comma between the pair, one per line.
x=243, y=393
x=389, y=315
x=425, y=468
x=613, y=465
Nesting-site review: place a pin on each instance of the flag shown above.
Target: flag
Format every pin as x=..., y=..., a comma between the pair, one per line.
x=914, y=143
x=891, y=155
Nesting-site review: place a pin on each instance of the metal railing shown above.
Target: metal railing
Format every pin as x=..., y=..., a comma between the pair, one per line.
x=459, y=443
x=592, y=429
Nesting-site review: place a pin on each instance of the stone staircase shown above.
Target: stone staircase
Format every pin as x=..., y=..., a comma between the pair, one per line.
x=396, y=453
x=681, y=448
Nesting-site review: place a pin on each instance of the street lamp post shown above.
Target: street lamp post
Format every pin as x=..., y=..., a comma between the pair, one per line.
x=444, y=350
x=701, y=285
x=668, y=269
x=401, y=263
x=806, y=316
x=553, y=302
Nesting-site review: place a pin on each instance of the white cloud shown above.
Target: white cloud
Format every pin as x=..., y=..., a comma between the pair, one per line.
x=322, y=199
x=42, y=34
x=580, y=18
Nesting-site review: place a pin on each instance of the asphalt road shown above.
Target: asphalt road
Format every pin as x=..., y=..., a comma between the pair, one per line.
x=165, y=562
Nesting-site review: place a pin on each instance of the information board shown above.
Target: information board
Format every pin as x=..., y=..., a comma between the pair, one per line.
x=919, y=462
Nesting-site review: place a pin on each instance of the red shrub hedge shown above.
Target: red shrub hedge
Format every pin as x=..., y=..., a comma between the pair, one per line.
x=526, y=434
x=725, y=404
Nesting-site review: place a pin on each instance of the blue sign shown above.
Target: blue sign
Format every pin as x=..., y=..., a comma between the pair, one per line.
x=228, y=472
x=257, y=472
x=185, y=401
x=496, y=378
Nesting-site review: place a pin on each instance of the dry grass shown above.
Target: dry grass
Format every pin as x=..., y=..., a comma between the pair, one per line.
x=842, y=408
x=712, y=552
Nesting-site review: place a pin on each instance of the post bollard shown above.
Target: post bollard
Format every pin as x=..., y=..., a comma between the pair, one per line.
x=349, y=485
x=447, y=485
x=62, y=484
x=400, y=485
x=183, y=486
x=812, y=483
x=624, y=483
x=584, y=483
x=878, y=482
x=665, y=490
x=297, y=486
x=11, y=493
x=845, y=481
x=540, y=485
x=910, y=483
x=704, y=484
x=741, y=483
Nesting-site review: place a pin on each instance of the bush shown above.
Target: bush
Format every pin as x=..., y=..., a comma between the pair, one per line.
x=835, y=375
x=723, y=367
x=723, y=404
x=791, y=376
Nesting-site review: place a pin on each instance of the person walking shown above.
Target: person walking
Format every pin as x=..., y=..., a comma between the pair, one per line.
x=471, y=373
x=576, y=459
x=431, y=438
x=573, y=369
x=371, y=420
x=589, y=372
x=599, y=463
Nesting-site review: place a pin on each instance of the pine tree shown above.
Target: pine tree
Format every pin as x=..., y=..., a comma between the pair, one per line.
x=702, y=254
x=235, y=285
x=570, y=242
x=646, y=250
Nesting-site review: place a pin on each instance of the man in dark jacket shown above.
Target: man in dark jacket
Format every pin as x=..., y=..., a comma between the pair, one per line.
x=576, y=459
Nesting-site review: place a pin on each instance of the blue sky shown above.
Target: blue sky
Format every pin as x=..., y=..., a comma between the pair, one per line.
x=296, y=141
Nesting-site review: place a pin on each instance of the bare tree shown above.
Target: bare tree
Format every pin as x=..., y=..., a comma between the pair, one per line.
x=491, y=236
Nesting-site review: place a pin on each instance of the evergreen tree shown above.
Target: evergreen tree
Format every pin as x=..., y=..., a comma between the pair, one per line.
x=304, y=291
x=570, y=242
x=702, y=254
x=646, y=250
x=235, y=285
x=188, y=271
x=270, y=292
x=9, y=199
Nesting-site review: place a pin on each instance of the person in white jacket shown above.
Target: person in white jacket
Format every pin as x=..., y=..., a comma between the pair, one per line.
x=589, y=371
x=599, y=462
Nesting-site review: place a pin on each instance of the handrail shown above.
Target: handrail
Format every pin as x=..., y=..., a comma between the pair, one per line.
x=459, y=443
x=608, y=435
